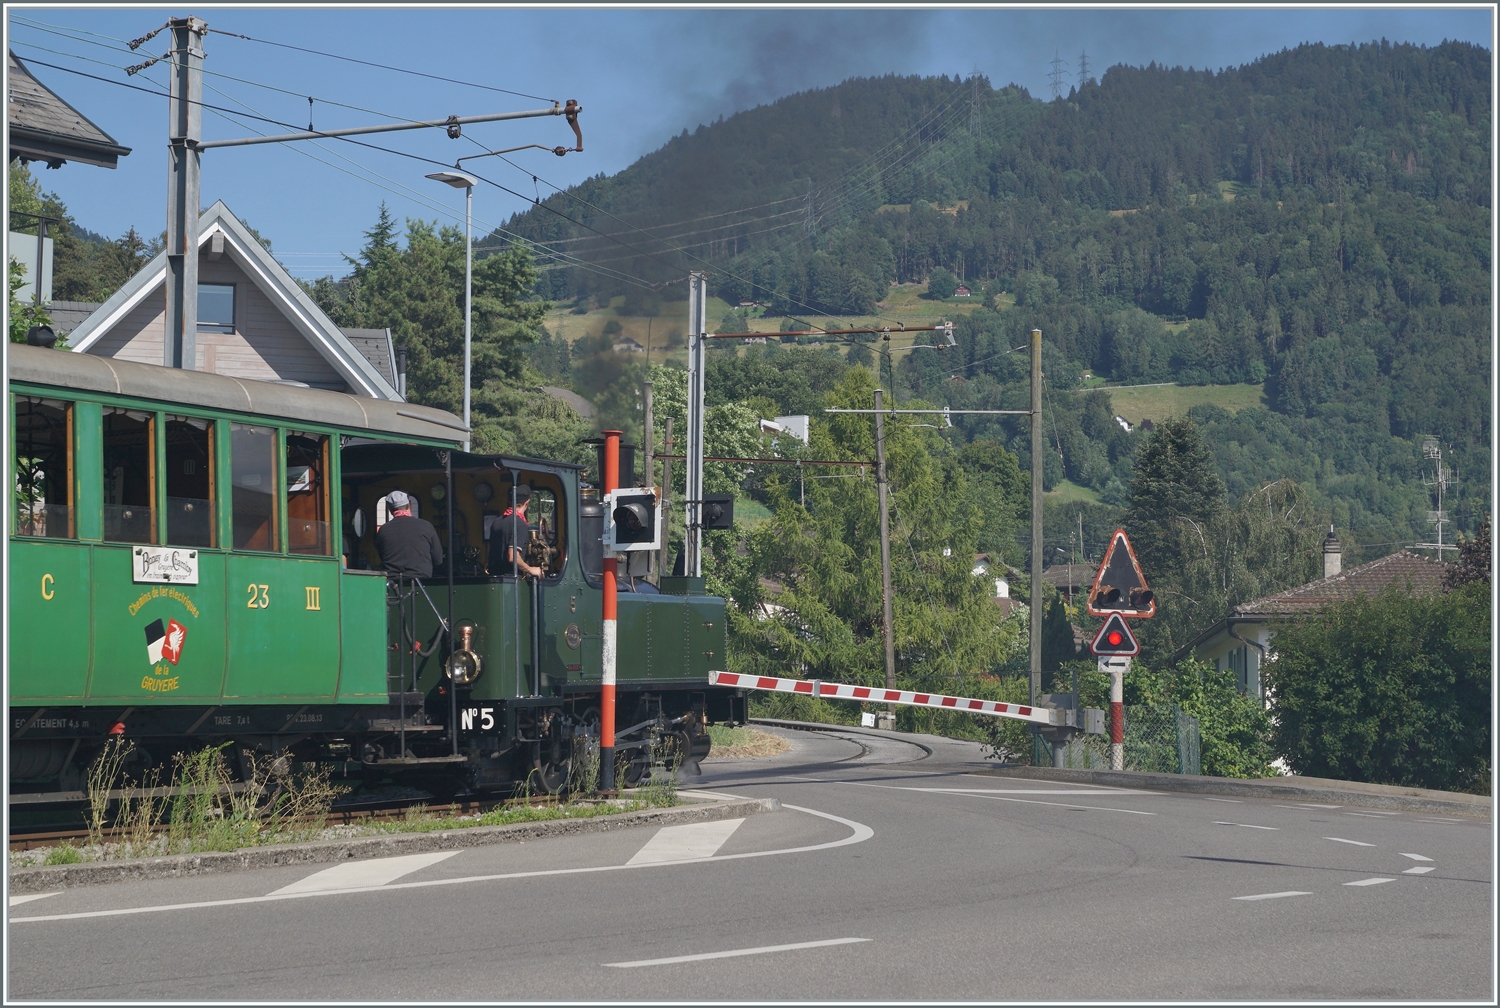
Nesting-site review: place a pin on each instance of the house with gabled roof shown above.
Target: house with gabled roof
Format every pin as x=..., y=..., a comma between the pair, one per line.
x=254, y=321
x=43, y=127
x=1241, y=641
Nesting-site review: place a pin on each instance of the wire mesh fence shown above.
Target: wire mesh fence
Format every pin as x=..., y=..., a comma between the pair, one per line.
x=1158, y=739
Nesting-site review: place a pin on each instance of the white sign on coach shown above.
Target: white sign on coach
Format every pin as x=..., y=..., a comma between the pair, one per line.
x=164, y=565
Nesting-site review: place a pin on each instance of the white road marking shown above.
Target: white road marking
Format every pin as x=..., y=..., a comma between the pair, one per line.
x=1434, y=819
x=1234, y=800
x=690, y=840
x=1416, y=857
x=1029, y=791
x=860, y=833
x=1274, y=895
x=990, y=797
x=737, y=952
x=1305, y=806
x=1365, y=815
x=18, y=900
x=1370, y=881
x=1372, y=812
x=363, y=874
x=1246, y=825
x=1357, y=843
x=1419, y=870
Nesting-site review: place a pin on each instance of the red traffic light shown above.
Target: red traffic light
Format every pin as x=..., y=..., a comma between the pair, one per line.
x=1114, y=639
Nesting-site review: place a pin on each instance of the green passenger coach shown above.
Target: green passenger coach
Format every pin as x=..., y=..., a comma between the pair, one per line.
x=193, y=562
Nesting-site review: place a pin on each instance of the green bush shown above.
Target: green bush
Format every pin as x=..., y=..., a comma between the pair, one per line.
x=1389, y=690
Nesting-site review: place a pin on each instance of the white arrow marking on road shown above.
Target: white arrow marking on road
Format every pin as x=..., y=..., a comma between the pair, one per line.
x=1370, y=881
x=363, y=874
x=1274, y=895
x=737, y=952
x=1357, y=843
x=1416, y=857
x=18, y=900
x=1419, y=870
x=1246, y=825
x=691, y=840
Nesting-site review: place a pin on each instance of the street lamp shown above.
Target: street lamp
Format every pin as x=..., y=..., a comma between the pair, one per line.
x=459, y=180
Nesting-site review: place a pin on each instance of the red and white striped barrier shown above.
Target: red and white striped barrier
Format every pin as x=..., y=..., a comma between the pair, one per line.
x=873, y=694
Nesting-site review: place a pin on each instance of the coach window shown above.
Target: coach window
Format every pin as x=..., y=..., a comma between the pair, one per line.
x=190, y=480
x=307, y=493
x=44, y=467
x=129, y=475
x=252, y=452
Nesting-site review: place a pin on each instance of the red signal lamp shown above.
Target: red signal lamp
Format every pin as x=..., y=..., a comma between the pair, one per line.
x=1114, y=639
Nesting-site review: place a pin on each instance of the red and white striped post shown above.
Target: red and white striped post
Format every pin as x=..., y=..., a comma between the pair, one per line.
x=1117, y=669
x=611, y=480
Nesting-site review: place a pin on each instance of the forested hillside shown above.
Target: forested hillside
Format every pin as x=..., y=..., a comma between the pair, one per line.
x=1317, y=221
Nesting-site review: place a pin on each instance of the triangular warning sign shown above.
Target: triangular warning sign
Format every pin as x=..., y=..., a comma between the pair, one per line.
x=1114, y=639
x=1120, y=587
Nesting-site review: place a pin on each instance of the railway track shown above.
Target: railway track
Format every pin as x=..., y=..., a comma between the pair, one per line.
x=24, y=840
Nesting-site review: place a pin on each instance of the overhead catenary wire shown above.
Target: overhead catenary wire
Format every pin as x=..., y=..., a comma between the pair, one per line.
x=637, y=281
x=381, y=66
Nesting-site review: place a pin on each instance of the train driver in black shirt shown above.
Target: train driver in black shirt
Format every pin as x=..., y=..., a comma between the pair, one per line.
x=407, y=545
x=508, y=537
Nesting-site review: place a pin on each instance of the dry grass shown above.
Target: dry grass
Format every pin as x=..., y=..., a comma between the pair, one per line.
x=744, y=743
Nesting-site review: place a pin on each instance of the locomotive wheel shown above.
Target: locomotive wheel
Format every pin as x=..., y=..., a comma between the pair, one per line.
x=553, y=777
x=633, y=772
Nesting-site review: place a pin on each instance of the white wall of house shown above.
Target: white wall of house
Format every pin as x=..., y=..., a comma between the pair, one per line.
x=264, y=345
x=1241, y=658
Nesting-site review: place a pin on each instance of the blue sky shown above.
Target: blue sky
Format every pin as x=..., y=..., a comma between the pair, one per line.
x=641, y=75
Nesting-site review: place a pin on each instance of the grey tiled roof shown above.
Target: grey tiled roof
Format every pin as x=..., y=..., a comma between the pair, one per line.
x=43, y=127
x=69, y=315
x=1404, y=569
x=1082, y=575
x=375, y=345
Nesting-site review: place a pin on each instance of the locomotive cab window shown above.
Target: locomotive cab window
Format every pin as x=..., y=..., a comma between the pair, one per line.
x=307, y=494
x=190, y=481
x=544, y=544
x=129, y=475
x=44, y=468
x=253, y=481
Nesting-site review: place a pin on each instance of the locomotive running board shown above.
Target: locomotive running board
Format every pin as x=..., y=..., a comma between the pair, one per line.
x=906, y=698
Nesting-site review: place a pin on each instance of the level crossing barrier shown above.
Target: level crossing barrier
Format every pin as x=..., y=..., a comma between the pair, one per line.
x=905, y=698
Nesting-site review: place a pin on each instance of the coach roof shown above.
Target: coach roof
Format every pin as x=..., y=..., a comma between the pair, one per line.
x=293, y=403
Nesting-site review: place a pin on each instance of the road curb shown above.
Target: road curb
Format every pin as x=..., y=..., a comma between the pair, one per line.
x=1306, y=789
x=40, y=878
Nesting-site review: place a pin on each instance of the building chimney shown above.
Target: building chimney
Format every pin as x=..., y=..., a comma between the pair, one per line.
x=1333, y=555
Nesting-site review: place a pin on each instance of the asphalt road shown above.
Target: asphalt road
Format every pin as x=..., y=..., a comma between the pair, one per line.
x=891, y=874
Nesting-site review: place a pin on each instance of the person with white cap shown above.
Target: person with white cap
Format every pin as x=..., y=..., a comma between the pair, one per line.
x=407, y=546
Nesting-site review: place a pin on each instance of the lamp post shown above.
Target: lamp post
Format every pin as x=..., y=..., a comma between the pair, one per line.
x=459, y=180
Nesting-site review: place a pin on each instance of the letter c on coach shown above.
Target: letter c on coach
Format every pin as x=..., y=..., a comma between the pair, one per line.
x=47, y=581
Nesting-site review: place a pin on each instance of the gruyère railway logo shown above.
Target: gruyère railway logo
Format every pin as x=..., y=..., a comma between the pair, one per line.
x=164, y=642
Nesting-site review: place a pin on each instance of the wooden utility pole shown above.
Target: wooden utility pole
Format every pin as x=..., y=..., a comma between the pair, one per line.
x=883, y=492
x=1035, y=618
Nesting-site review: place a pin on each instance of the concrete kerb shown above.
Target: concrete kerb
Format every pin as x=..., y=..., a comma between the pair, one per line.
x=1301, y=789
x=40, y=878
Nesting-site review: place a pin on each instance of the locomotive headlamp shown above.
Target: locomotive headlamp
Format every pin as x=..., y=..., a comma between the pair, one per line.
x=464, y=665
